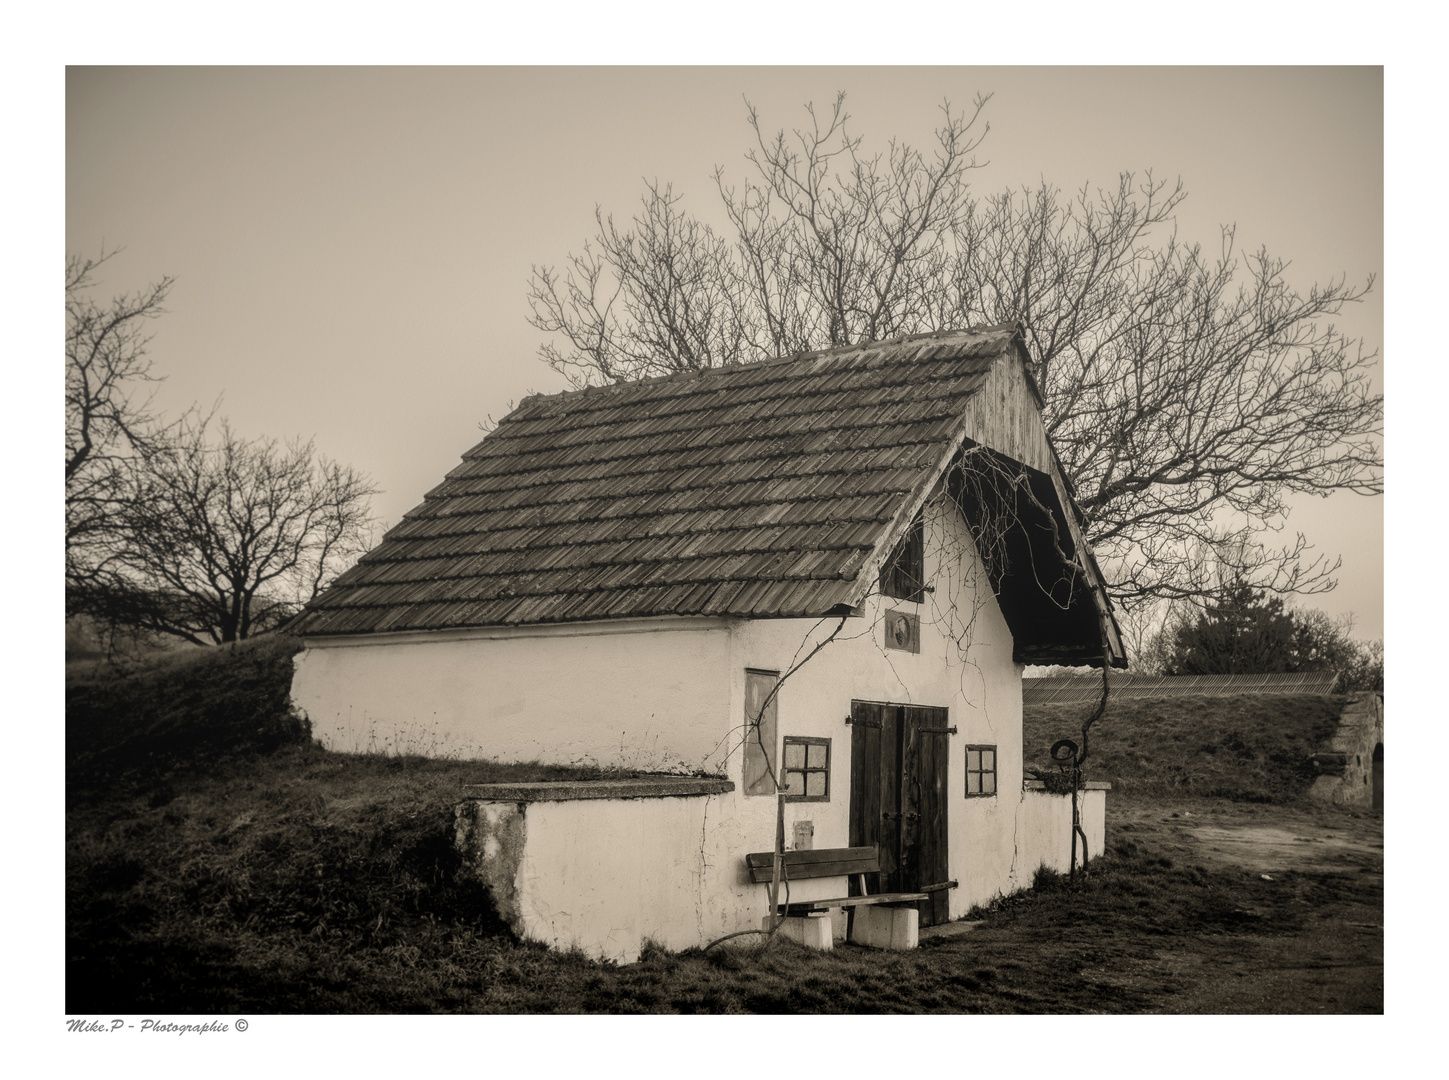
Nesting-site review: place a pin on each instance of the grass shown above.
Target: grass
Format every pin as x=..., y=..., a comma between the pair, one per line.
x=195, y=708
x=220, y=862
x=328, y=905
x=216, y=856
x=1249, y=748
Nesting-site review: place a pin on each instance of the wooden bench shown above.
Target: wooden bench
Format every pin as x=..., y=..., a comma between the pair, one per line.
x=882, y=920
x=827, y=862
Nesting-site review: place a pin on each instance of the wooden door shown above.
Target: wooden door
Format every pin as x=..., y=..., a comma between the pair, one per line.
x=898, y=756
x=875, y=789
x=926, y=747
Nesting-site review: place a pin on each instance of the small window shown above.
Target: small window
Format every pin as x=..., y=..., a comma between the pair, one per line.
x=760, y=739
x=980, y=771
x=807, y=769
x=904, y=575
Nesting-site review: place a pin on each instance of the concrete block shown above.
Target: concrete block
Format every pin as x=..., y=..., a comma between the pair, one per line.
x=813, y=930
x=883, y=927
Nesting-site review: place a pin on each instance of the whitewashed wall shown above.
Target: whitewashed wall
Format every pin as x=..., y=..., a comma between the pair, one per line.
x=606, y=875
x=668, y=695
x=641, y=695
x=965, y=666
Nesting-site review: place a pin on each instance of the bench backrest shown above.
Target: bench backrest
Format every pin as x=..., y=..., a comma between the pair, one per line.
x=821, y=862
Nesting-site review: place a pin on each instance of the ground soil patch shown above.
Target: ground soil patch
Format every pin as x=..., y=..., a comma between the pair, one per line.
x=1262, y=839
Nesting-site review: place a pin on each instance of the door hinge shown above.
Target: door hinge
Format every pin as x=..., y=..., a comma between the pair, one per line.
x=862, y=723
x=937, y=730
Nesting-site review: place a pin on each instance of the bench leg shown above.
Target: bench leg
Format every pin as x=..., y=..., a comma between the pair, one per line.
x=883, y=927
x=814, y=931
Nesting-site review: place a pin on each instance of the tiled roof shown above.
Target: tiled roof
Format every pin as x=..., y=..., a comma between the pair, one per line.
x=1064, y=689
x=751, y=490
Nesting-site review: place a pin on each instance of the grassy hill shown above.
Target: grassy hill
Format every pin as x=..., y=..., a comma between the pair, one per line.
x=1249, y=748
x=218, y=859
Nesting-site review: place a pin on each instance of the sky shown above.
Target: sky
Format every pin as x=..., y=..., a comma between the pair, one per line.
x=352, y=246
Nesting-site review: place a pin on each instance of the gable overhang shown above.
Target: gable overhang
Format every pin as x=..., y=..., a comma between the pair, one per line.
x=1043, y=574
x=1046, y=579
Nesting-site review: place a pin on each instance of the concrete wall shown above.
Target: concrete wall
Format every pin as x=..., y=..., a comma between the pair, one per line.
x=668, y=695
x=1348, y=759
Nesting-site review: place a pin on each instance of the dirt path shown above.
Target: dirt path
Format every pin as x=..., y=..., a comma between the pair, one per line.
x=1325, y=867
x=1259, y=838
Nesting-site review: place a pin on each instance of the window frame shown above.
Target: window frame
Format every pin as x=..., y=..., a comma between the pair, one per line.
x=981, y=772
x=904, y=575
x=806, y=741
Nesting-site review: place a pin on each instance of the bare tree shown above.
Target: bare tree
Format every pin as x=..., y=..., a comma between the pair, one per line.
x=229, y=537
x=109, y=425
x=830, y=246
x=1189, y=393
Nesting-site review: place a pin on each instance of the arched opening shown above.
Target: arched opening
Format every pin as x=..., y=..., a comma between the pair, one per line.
x=1379, y=776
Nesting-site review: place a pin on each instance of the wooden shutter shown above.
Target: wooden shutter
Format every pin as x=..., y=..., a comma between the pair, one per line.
x=758, y=747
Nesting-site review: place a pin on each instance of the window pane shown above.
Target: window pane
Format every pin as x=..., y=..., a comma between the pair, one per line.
x=794, y=756
x=988, y=783
x=988, y=759
x=973, y=783
x=819, y=756
x=792, y=784
x=815, y=783
x=973, y=759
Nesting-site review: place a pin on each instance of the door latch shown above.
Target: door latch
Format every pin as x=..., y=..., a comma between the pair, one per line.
x=909, y=815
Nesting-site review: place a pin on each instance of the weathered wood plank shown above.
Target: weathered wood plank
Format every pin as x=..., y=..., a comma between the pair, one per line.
x=856, y=901
x=866, y=734
x=1003, y=415
x=803, y=872
x=803, y=857
x=928, y=764
x=888, y=769
x=816, y=863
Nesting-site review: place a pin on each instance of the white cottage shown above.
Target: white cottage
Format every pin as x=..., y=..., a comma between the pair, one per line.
x=825, y=570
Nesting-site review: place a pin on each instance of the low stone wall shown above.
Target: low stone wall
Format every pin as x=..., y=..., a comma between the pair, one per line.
x=604, y=866
x=1044, y=829
x=1346, y=764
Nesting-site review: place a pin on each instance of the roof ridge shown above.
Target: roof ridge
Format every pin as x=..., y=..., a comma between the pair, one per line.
x=738, y=365
x=665, y=411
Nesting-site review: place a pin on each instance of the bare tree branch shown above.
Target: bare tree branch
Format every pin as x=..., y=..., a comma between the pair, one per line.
x=109, y=425
x=1188, y=393
x=229, y=537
